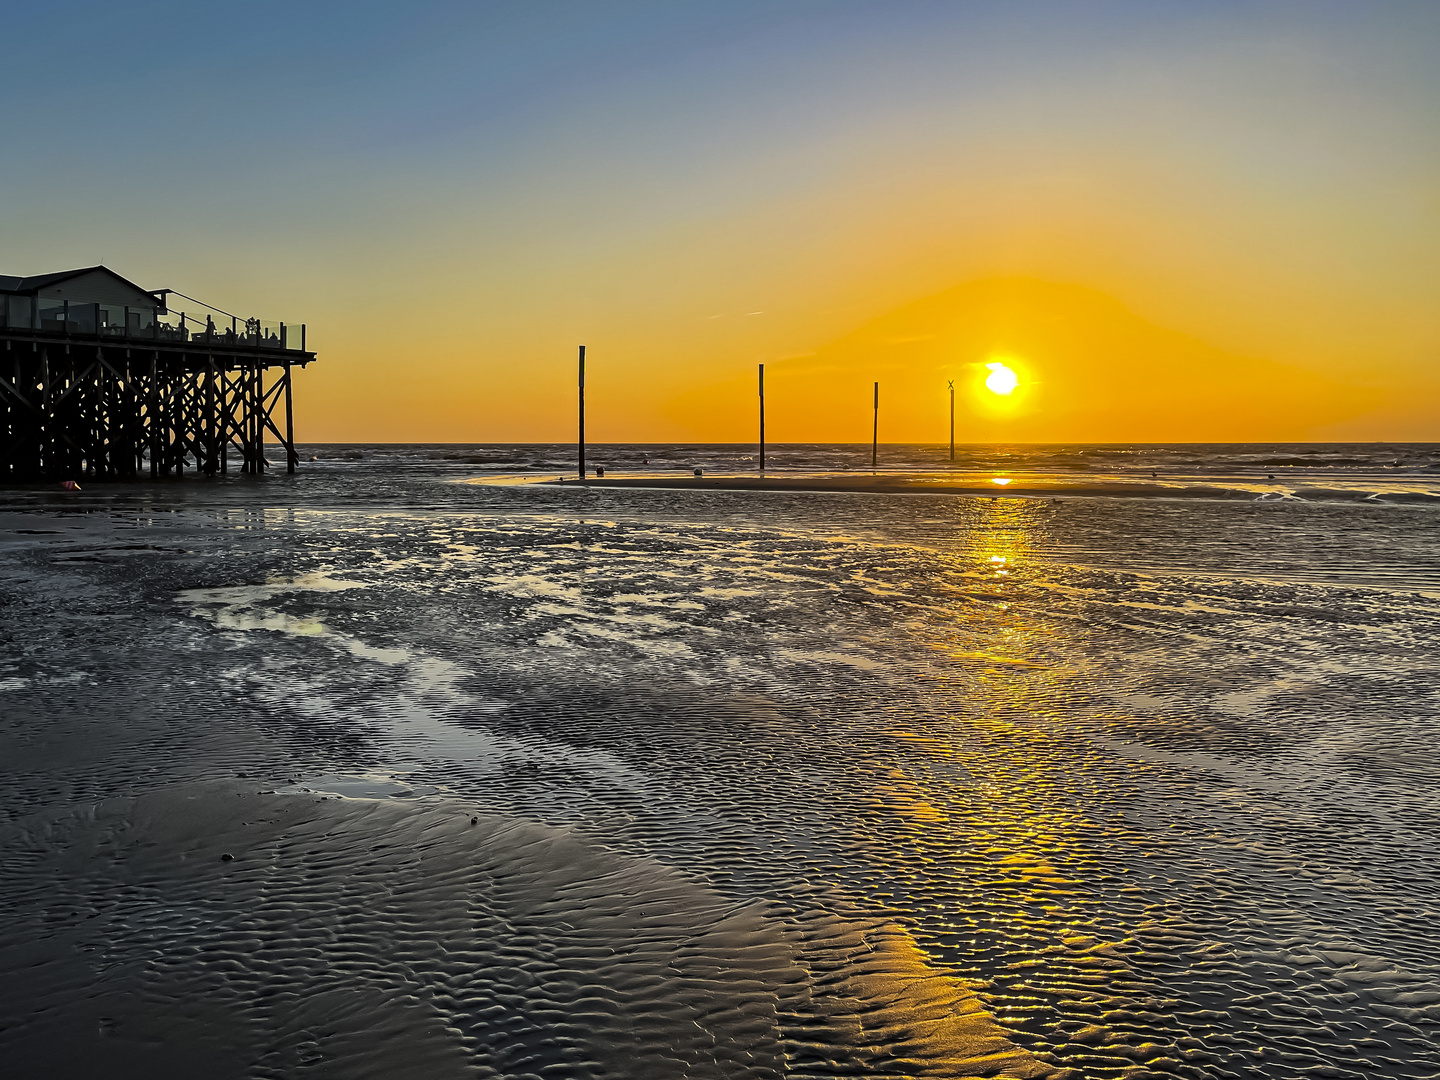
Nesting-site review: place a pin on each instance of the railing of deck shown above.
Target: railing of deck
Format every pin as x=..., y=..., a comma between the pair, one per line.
x=171, y=324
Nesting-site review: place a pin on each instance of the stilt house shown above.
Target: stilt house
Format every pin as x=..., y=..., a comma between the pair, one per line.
x=101, y=378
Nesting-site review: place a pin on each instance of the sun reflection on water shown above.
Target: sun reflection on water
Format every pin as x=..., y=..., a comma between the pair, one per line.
x=1000, y=534
x=988, y=794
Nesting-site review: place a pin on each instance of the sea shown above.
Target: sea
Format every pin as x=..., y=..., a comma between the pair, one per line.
x=417, y=763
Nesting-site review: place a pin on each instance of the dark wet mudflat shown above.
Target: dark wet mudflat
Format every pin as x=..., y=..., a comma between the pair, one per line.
x=527, y=782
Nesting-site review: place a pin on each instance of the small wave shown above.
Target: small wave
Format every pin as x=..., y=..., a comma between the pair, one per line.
x=1319, y=460
x=1421, y=497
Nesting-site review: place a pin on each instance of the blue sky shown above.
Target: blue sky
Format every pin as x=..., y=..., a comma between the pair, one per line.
x=1261, y=175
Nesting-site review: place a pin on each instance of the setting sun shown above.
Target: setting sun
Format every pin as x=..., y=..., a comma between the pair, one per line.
x=1001, y=380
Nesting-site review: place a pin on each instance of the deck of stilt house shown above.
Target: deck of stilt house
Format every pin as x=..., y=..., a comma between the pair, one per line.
x=100, y=378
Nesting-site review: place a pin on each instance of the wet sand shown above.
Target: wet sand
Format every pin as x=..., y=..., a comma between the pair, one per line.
x=1038, y=487
x=246, y=932
x=896, y=483
x=546, y=781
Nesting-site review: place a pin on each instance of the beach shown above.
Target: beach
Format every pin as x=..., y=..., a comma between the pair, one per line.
x=425, y=762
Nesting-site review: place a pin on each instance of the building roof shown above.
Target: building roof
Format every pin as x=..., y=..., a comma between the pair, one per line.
x=11, y=284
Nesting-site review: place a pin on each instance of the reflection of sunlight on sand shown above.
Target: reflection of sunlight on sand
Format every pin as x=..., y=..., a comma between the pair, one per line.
x=997, y=537
x=987, y=797
x=899, y=794
x=1017, y=865
x=1002, y=536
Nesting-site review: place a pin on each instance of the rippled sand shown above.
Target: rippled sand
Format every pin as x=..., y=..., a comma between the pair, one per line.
x=275, y=933
x=687, y=787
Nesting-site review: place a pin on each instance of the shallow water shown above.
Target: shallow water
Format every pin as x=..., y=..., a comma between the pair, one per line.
x=790, y=784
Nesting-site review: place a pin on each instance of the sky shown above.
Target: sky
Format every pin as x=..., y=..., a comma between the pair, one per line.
x=1175, y=221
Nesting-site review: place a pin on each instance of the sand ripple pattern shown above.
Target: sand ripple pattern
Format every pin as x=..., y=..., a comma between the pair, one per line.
x=290, y=934
x=887, y=779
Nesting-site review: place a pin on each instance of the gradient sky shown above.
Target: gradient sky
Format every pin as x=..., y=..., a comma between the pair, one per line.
x=1178, y=220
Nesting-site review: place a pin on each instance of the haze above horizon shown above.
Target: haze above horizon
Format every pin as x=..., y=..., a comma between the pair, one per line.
x=1166, y=221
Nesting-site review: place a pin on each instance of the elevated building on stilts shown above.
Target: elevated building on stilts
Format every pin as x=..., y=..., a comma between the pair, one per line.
x=100, y=378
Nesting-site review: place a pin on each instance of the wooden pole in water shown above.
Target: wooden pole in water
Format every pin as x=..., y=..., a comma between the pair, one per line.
x=582, y=412
x=952, y=419
x=762, y=418
x=875, y=433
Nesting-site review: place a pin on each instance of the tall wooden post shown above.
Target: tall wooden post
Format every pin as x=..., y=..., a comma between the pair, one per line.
x=252, y=410
x=181, y=414
x=212, y=440
x=248, y=390
x=47, y=429
x=242, y=392
x=290, y=456
x=762, y=418
x=227, y=401
x=154, y=417
x=582, y=412
x=875, y=433
x=952, y=419
x=259, y=419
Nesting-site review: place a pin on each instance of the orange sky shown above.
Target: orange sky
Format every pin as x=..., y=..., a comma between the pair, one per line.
x=1180, y=222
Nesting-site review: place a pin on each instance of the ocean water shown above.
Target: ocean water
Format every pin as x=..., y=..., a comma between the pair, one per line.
x=518, y=779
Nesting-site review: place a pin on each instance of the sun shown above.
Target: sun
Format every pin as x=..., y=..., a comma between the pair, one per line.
x=1002, y=380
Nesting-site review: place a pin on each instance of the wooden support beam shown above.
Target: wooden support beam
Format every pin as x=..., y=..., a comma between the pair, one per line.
x=73, y=402
x=260, y=418
x=154, y=416
x=292, y=459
